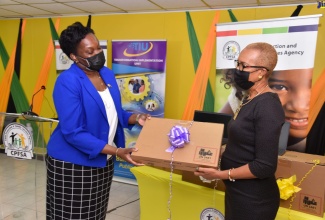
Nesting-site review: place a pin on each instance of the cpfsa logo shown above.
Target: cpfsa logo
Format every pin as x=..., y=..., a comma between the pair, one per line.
x=64, y=59
x=138, y=49
x=231, y=50
x=320, y=4
x=18, y=141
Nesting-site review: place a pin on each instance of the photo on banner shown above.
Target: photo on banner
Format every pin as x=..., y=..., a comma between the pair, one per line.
x=292, y=77
x=140, y=68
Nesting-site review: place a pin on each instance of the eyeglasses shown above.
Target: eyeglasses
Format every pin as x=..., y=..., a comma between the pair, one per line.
x=242, y=66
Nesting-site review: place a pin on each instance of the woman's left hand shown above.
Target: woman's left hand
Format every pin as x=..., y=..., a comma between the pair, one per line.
x=141, y=118
x=125, y=154
x=207, y=173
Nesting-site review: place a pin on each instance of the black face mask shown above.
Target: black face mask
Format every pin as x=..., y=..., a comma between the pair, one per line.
x=241, y=79
x=95, y=62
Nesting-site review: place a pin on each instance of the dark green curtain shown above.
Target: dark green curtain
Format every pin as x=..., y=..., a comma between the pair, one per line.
x=17, y=93
x=297, y=11
x=232, y=16
x=11, y=105
x=3, y=54
x=89, y=21
x=54, y=34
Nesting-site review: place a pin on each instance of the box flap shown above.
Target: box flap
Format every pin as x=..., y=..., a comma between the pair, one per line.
x=302, y=157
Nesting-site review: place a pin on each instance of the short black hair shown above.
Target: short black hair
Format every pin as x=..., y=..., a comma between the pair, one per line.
x=71, y=37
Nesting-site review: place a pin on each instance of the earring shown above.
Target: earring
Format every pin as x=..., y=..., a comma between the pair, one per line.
x=260, y=77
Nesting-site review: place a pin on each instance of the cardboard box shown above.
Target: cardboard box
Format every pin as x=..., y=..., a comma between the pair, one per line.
x=310, y=199
x=202, y=150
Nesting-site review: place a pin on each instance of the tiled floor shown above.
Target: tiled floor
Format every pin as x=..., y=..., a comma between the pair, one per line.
x=22, y=196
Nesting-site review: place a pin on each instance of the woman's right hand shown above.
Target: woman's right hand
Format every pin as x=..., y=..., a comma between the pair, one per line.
x=125, y=154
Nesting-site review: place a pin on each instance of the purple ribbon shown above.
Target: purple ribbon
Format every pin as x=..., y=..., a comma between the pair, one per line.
x=178, y=137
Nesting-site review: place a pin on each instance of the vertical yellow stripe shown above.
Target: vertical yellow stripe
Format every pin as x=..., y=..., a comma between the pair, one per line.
x=44, y=74
x=196, y=97
x=5, y=84
x=7, y=78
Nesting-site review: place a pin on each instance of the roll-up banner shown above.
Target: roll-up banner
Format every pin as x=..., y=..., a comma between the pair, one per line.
x=294, y=39
x=140, y=68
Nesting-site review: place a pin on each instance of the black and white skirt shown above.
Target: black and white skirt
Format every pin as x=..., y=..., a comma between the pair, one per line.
x=77, y=192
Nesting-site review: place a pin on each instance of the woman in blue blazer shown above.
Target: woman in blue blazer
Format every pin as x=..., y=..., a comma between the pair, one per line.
x=90, y=130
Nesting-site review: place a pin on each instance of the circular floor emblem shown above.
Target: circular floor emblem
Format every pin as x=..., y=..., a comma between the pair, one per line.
x=211, y=214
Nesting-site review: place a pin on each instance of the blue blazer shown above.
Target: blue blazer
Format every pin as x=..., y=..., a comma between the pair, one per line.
x=82, y=131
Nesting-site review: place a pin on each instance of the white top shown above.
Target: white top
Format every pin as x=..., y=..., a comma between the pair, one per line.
x=111, y=115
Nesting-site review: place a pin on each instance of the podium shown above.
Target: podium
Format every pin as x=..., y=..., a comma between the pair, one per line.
x=22, y=165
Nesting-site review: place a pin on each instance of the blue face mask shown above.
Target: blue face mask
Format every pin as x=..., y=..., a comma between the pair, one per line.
x=95, y=62
x=241, y=79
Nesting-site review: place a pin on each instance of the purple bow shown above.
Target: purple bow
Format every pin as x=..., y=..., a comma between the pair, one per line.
x=178, y=137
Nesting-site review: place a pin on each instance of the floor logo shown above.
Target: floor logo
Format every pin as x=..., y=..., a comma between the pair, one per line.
x=18, y=141
x=211, y=214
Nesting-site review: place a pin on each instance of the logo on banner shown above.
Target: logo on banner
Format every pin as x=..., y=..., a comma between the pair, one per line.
x=138, y=49
x=211, y=214
x=231, y=50
x=320, y=4
x=18, y=141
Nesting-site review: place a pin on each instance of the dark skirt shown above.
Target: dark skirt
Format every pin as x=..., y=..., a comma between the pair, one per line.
x=77, y=192
x=251, y=199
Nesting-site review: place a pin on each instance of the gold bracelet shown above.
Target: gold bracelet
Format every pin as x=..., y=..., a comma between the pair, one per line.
x=116, y=151
x=229, y=175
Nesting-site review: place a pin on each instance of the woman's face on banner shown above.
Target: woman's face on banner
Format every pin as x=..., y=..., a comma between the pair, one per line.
x=294, y=89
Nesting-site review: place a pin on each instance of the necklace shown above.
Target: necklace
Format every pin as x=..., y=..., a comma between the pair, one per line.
x=242, y=102
x=101, y=81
